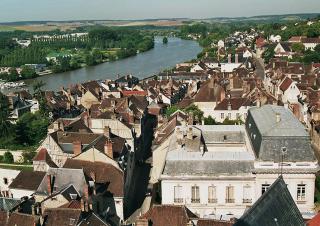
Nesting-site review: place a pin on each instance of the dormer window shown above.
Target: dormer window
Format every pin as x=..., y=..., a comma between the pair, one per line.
x=225, y=137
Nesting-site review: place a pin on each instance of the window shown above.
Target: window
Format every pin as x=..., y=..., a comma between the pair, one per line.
x=238, y=115
x=247, y=194
x=178, y=194
x=72, y=221
x=230, y=194
x=264, y=188
x=301, y=193
x=212, y=198
x=222, y=115
x=229, y=115
x=195, y=196
x=5, y=180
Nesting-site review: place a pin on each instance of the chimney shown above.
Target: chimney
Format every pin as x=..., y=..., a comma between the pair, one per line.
x=49, y=184
x=55, y=126
x=77, y=147
x=231, y=83
x=229, y=106
x=278, y=117
x=190, y=119
x=179, y=134
x=82, y=206
x=106, y=131
x=61, y=126
x=237, y=58
x=108, y=150
x=113, y=103
x=229, y=58
x=142, y=222
x=190, y=133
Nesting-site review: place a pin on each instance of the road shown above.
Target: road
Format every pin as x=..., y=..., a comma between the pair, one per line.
x=260, y=69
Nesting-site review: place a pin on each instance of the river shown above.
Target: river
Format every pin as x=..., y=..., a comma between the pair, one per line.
x=149, y=63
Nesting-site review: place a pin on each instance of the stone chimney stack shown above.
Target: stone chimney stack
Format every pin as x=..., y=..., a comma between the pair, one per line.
x=49, y=184
x=229, y=59
x=190, y=119
x=77, y=147
x=108, y=149
x=106, y=131
x=237, y=58
x=179, y=134
x=142, y=222
x=55, y=126
x=229, y=106
x=278, y=117
x=190, y=133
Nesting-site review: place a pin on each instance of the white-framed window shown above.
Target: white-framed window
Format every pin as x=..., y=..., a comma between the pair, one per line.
x=195, y=194
x=247, y=194
x=178, y=194
x=222, y=115
x=229, y=115
x=229, y=194
x=264, y=188
x=212, y=194
x=301, y=192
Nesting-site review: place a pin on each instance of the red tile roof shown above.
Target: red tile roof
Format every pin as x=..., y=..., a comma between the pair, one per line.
x=315, y=221
x=285, y=84
x=165, y=215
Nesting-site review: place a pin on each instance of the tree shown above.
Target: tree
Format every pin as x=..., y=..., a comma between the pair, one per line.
x=210, y=121
x=197, y=113
x=268, y=54
x=28, y=72
x=171, y=110
x=8, y=157
x=4, y=115
x=28, y=156
x=298, y=47
x=165, y=40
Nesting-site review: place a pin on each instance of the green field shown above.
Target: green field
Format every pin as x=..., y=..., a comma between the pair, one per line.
x=6, y=28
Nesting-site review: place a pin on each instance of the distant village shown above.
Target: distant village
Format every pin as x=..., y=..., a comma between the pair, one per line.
x=233, y=141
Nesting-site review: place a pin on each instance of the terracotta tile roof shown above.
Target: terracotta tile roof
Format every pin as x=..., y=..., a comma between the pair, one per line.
x=210, y=91
x=104, y=173
x=43, y=155
x=235, y=103
x=27, y=180
x=19, y=219
x=161, y=215
x=207, y=222
x=62, y=217
x=73, y=204
x=310, y=40
x=285, y=84
x=3, y=218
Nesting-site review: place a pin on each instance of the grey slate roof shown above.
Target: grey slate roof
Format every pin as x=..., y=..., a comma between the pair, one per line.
x=8, y=204
x=265, y=119
x=274, y=208
x=207, y=168
x=268, y=136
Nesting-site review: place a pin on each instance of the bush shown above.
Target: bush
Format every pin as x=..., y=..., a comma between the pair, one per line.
x=8, y=157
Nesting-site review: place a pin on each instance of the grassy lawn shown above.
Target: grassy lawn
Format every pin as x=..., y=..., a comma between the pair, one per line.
x=7, y=28
x=16, y=167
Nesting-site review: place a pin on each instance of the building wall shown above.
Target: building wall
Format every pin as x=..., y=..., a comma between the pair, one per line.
x=292, y=181
x=19, y=193
x=54, y=202
x=241, y=112
x=206, y=107
x=204, y=208
x=6, y=178
x=158, y=160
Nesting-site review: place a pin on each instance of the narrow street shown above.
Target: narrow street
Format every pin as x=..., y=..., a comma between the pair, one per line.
x=142, y=169
x=260, y=71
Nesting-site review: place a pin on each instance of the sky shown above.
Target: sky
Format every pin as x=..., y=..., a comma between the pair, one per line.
x=32, y=10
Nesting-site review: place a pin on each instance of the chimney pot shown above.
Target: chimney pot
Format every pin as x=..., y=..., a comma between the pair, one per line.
x=108, y=149
x=190, y=133
x=278, y=117
x=77, y=147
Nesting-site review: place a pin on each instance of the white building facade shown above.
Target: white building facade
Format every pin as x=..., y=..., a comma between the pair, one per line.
x=220, y=171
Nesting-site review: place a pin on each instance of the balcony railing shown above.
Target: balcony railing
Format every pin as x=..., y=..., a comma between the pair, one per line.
x=178, y=200
x=195, y=200
x=212, y=200
x=301, y=201
x=247, y=200
x=229, y=200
